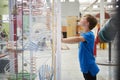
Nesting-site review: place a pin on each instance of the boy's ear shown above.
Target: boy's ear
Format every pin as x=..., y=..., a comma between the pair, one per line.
x=88, y=24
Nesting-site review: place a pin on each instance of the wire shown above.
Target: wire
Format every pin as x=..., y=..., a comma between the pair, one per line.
x=22, y=43
x=15, y=39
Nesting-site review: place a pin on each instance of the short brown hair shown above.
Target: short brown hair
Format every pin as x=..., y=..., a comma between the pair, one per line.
x=92, y=21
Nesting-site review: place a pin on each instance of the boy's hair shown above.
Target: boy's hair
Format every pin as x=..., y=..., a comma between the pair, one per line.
x=92, y=21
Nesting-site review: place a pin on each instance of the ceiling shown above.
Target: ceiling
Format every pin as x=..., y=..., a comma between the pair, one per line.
x=86, y=6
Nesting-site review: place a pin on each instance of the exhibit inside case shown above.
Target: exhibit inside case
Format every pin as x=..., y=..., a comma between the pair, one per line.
x=34, y=42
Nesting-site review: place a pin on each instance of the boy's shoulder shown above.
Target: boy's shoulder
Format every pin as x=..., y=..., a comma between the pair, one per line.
x=88, y=36
x=90, y=33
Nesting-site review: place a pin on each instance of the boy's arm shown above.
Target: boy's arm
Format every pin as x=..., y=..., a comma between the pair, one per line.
x=75, y=39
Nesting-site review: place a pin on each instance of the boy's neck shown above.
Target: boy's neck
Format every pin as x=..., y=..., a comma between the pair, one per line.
x=87, y=30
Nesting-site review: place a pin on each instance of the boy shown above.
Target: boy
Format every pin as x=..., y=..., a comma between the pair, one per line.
x=86, y=40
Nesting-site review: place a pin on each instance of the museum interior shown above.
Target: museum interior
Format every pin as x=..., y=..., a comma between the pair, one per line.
x=30, y=39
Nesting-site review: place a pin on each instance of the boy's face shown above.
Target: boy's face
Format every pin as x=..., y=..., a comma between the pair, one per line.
x=84, y=23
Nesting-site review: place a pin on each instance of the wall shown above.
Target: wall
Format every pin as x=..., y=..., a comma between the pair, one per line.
x=70, y=8
x=69, y=14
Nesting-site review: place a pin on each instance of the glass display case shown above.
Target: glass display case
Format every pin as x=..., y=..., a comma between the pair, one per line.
x=34, y=43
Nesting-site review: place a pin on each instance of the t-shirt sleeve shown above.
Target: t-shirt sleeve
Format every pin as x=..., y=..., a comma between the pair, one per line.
x=88, y=37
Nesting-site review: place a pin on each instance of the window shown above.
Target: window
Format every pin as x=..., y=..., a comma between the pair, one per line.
x=109, y=0
x=72, y=0
x=86, y=1
x=62, y=0
x=95, y=6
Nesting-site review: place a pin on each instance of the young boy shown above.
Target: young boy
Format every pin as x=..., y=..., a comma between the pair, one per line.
x=86, y=40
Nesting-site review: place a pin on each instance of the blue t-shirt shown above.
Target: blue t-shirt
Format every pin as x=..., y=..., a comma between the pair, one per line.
x=86, y=56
